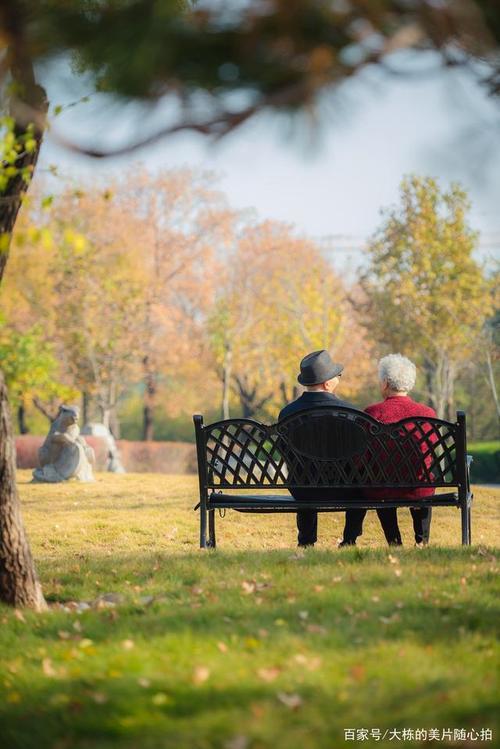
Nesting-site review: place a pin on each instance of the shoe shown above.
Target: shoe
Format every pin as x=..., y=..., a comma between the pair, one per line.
x=305, y=546
x=345, y=543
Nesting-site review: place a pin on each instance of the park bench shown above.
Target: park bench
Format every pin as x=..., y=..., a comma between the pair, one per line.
x=245, y=466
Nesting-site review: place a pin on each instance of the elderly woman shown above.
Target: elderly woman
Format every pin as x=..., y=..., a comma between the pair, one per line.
x=397, y=378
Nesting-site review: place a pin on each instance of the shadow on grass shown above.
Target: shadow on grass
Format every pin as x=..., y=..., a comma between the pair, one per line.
x=183, y=716
x=334, y=597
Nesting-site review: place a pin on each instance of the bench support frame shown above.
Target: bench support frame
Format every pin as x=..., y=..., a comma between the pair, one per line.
x=212, y=499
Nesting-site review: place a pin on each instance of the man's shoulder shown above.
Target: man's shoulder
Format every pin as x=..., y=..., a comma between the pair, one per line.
x=323, y=399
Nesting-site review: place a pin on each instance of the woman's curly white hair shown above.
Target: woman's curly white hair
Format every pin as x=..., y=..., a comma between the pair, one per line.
x=399, y=372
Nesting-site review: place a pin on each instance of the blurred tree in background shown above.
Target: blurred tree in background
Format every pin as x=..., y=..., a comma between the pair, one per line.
x=426, y=294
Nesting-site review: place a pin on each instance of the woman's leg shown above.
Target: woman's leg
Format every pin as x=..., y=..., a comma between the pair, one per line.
x=421, y=517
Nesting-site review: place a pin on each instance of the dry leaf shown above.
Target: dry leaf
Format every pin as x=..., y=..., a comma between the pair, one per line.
x=268, y=674
x=392, y=560
x=292, y=701
x=201, y=674
x=160, y=698
x=397, y=572
x=319, y=588
x=19, y=615
x=128, y=644
x=64, y=635
x=248, y=586
x=99, y=698
x=316, y=629
x=237, y=742
x=358, y=672
x=144, y=683
x=222, y=647
x=47, y=668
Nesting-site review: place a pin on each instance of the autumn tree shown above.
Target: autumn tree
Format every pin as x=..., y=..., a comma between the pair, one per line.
x=184, y=223
x=280, y=299
x=426, y=294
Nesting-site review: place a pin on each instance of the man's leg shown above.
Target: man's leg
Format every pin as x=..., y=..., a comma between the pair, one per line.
x=421, y=523
x=353, y=526
x=388, y=517
x=307, y=524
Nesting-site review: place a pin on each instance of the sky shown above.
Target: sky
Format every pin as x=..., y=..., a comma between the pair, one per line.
x=330, y=180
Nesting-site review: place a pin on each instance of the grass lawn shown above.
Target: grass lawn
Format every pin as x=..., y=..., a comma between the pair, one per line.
x=253, y=645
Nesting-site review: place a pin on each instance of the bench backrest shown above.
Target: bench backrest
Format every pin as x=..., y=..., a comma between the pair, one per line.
x=331, y=447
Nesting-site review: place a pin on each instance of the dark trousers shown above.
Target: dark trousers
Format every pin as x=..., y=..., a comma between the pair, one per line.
x=388, y=517
x=307, y=520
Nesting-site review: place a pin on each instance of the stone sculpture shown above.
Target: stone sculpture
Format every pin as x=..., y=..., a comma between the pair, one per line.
x=65, y=454
x=114, y=463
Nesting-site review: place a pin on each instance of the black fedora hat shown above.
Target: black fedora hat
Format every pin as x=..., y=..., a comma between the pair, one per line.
x=318, y=367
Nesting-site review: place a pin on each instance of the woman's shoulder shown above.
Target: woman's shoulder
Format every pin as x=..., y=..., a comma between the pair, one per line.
x=375, y=408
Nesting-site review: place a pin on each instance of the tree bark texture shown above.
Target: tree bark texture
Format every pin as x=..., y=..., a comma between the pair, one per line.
x=19, y=585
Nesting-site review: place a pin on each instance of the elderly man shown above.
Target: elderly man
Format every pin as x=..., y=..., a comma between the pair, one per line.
x=320, y=377
x=397, y=376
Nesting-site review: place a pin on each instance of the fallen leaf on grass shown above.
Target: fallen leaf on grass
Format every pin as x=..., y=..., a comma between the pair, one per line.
x=99, y=698
x=128, y=644
x=222, y=647
x=19, y=615
x=316, y=629
x=144, y=683
x=268, y=674
x=397, y=572
x=292, y=701
x=319, y=588
x=312, y=663
x=392, y=560
x=201, y=674
x=358, y=672
x=237, y=742
x=160, y=698
x=47, y=668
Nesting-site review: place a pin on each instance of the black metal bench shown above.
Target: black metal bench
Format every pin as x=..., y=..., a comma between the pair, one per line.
x=329, y=448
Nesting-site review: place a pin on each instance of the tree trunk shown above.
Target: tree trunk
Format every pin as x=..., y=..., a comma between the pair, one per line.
x=85, y=407
x=492, y=383
x=226, y=380
x=19, y=584
x=150, y=391
x=21, y=419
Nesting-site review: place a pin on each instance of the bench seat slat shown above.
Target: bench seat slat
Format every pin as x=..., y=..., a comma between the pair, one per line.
x=289, y=504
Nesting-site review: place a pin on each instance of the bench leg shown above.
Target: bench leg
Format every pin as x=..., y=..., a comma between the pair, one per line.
x=211, y=529
x=465, y=514
x=469, y=511
x=203, y=526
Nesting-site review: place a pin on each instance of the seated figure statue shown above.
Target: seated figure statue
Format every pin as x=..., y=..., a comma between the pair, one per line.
x=65, y=454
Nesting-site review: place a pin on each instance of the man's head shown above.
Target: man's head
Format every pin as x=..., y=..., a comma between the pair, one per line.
x=318, y=372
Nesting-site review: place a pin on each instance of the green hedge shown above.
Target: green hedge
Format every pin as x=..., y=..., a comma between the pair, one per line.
x=486, y=465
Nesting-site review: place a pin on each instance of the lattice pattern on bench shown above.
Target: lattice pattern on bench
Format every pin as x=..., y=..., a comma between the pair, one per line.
x=331, y=447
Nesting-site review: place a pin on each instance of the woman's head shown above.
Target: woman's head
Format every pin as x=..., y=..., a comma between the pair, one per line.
x=397, y=374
